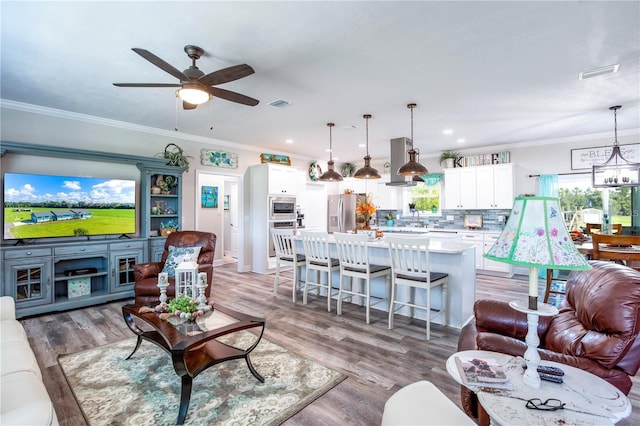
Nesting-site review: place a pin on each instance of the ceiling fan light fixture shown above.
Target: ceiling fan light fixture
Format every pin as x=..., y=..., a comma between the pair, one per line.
x=193, y=94
x=367, y=172
x=330, y=175
x=413, y=167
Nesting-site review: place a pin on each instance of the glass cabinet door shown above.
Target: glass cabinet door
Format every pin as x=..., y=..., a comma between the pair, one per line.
x=28, y=283
x=122, y=276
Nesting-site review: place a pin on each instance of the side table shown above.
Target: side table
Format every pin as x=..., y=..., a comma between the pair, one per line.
x=589, y=399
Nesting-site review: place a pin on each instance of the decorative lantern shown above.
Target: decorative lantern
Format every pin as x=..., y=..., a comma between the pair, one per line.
x=187, y=279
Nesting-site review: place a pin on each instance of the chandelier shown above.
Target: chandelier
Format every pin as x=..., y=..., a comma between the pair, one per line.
x=616, y=171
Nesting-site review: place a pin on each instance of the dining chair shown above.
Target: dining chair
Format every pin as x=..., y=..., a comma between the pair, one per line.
x=623, y=249
x=616, y=228
x=319, y=261
x=353, y=254
x=287, y=255
x=410, y=267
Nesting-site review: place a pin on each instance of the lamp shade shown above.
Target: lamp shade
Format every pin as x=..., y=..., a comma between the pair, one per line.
x=535, y=236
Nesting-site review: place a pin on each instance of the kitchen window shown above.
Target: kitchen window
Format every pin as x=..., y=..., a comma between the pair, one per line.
x=427, y=198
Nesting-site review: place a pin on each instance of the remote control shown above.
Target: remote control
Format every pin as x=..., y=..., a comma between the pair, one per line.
x=547, y=369
x=551, y=378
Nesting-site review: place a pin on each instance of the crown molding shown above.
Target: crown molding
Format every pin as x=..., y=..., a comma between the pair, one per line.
x=91, y=119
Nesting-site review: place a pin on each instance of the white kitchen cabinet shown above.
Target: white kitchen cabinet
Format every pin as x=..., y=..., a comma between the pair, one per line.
x=359, y=186
x=460, y=188
x=494, y=186
x=483, y=241
x=282, y=179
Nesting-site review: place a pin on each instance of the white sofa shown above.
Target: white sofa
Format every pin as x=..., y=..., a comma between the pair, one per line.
x=23, y=398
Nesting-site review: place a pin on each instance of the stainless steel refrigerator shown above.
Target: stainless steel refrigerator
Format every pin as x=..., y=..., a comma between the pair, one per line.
x=342, y=212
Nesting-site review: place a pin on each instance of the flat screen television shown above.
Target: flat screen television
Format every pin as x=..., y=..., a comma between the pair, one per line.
x=48, y=206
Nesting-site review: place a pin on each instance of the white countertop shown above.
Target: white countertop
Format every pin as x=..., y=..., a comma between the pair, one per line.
x=439, y=244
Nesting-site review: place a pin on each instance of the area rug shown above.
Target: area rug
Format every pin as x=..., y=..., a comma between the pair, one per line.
x=145, y=389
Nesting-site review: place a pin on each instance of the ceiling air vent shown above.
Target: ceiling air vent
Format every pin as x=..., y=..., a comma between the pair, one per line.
x=598, y=71
x=279, y=103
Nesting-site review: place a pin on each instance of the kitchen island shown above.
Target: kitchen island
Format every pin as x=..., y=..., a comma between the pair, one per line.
x=447, y=254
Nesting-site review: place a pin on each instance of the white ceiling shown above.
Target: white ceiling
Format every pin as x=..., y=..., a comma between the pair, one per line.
x=494, y=72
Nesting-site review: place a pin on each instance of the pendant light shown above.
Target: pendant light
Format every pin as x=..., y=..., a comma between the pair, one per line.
x=616, y=171
x=412, y=168
x=367, y=172
x=330, y=175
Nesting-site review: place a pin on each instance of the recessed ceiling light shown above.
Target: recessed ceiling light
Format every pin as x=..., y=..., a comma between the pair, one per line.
x=289, y=141
x=361, y=145
x=347, y=127
x=598, y=71
x=461, y=140
x=447, y=131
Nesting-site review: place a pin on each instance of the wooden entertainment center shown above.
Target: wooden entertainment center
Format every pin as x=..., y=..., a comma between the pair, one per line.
x=67, y=273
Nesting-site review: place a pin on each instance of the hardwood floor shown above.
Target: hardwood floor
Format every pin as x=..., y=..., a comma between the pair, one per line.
x=378, y=361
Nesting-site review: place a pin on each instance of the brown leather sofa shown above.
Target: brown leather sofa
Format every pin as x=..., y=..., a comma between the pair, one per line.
x=146, y=274
x=596, y=330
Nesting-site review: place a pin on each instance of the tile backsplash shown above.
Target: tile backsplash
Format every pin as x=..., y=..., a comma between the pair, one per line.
x=491, y=219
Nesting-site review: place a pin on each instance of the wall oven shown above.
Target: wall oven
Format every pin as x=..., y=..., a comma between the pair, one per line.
x=279, y=224
x=282, y=208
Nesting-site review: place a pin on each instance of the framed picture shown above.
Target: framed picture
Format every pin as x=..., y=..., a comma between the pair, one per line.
x=226, y=202
x=209, y=157
x=585, y=158
x=209, y=197
x=275, y=159
x=473, y=221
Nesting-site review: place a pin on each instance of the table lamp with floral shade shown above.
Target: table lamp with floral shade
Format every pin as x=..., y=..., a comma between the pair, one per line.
x=536, y=236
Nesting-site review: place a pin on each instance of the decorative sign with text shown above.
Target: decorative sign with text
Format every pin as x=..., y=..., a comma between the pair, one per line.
x=586, y=158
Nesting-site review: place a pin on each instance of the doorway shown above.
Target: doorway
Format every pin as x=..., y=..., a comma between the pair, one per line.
x=223, y=219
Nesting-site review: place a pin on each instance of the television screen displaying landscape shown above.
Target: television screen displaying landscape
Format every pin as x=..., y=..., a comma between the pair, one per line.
x=46, y=206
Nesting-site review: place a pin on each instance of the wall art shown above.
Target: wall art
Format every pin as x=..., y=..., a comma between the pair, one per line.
x=210, y=197
x=210, y=157
x=585, y=158
x=275, y=158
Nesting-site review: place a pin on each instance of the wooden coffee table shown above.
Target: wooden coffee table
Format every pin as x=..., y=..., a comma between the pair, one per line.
x=192, y=345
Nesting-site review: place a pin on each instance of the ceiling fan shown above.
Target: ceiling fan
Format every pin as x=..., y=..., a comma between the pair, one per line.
x=195, y=87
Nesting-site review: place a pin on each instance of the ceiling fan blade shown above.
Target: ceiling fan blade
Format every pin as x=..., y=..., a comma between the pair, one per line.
x=226, y=75
x=232, y=96
x=165, y=66
x=146, y=85
x=187, y=105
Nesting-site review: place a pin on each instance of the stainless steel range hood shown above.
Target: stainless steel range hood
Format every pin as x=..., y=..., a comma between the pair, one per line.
x=399, y=148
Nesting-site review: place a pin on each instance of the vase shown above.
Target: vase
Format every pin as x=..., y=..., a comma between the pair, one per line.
x=389, y=222
x=366, y=226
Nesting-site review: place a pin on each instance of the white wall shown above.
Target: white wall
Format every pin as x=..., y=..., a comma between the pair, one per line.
x=66, y=130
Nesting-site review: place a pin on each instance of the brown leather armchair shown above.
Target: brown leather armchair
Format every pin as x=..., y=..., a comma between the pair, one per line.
x=146, y=274
x=597, y=328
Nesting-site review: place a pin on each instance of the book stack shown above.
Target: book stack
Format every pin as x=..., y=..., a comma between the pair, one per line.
x=482, y=373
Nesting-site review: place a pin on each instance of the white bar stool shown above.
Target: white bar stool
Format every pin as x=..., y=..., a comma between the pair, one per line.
x=286, y=255
x=318, y=259
x=353, y=254
x=410, y=267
